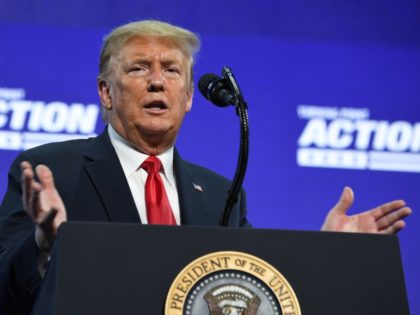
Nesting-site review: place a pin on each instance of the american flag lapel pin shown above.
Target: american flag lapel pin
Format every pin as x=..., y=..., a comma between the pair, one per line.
x=197, y=187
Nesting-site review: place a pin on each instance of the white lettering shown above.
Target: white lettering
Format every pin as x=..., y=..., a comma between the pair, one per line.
x=3, y=113
x=55, y=117
x=340, y=133
x=33, y=123
x=35, y=119
x=12, y=94
x=399, y=137
x=354, y=113
x=328, y=112
x=20, y=110
x=364, y=128
x=350, y=140
x=381, y=136
x=415, y=144
x=309, y=111
x=10, y=140
x=82, y=118
x=315, y=133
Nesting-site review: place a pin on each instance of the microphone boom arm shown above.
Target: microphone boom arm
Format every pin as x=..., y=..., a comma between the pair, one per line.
x=242, y=112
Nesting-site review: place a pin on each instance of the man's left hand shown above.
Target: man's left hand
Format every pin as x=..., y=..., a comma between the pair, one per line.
x=384, y=219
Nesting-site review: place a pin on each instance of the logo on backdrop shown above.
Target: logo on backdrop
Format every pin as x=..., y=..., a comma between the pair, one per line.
x=342, y=137
x=230, y=283
x=25, y=123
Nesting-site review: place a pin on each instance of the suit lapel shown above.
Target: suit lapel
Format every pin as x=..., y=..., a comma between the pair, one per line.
x=193, y=199
x=106, y=174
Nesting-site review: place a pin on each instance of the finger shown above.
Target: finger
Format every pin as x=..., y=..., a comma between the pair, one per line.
x=391, y=218
x=387, y=208
x=34, y=208
x=345, y=201
x=25, y=165
x=45, y=176
x=26, y=180
x=394, y=228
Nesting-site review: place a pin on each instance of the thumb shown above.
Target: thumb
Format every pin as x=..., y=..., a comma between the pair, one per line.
x=345, y=201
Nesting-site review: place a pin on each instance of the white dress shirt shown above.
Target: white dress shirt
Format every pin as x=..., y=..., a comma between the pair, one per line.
x=131, y=159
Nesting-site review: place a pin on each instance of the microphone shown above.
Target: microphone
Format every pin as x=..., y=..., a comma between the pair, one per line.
x=224, y=91
x=216, y=90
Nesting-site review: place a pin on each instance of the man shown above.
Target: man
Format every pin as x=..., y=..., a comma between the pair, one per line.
x=145, y=85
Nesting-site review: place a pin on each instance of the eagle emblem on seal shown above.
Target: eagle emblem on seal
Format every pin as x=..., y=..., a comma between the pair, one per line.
x=232, y=299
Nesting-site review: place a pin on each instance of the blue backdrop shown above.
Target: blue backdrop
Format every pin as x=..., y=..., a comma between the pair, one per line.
x=332, y=87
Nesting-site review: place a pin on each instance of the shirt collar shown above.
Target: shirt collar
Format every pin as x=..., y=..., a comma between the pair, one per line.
x=131, y=159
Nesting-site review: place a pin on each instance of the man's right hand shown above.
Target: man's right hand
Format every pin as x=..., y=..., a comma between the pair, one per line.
x=42, y=203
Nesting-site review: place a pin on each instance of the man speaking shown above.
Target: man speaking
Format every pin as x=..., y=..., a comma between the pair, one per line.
x=132, y=171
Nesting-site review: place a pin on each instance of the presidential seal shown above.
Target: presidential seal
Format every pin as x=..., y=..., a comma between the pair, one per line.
x=231, y=283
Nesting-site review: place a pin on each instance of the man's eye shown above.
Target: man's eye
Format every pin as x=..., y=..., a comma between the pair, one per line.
x=137, y=69
x=172, y=70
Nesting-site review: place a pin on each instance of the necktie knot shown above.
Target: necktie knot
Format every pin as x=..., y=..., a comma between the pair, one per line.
x=152, y=165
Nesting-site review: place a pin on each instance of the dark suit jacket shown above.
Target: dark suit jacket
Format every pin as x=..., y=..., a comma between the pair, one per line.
x=91, y=182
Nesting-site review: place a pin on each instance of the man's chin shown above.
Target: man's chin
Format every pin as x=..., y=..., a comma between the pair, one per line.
x=159, y=134
x=156, y=132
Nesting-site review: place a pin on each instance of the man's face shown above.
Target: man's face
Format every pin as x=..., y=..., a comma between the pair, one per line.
x=147, y=92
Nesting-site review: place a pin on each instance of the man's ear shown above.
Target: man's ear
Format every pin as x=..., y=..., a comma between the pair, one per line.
x=189, y=100
x=104, y=91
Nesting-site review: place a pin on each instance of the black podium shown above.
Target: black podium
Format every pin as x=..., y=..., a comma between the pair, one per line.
x=104, y=268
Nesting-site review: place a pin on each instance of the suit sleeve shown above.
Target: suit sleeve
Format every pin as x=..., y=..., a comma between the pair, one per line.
x=19, y=276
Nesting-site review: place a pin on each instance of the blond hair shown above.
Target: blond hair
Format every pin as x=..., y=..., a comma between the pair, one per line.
x=187, y=41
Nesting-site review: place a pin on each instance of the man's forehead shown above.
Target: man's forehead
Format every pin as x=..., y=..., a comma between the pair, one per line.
x=150, y=45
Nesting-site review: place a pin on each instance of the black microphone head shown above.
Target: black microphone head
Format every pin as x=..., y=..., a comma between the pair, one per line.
x=206, y=81
x=214, y=89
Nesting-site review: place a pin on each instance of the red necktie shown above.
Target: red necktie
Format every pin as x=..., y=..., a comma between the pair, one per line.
x=159, y=210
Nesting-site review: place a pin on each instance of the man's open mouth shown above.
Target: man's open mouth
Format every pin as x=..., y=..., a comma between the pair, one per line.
x=156, y=106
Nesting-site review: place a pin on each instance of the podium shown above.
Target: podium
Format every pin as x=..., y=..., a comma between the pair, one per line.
x=116, y=268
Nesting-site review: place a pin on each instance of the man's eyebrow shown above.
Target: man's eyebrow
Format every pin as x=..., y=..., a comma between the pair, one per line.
x=146, y=59
x=170, y=61
x=139, y=58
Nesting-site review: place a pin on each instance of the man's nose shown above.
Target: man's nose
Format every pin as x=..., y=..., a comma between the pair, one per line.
x=156, y=81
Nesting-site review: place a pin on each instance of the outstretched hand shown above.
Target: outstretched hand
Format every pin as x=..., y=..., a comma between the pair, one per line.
x=384, y=219
x=42, y=203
